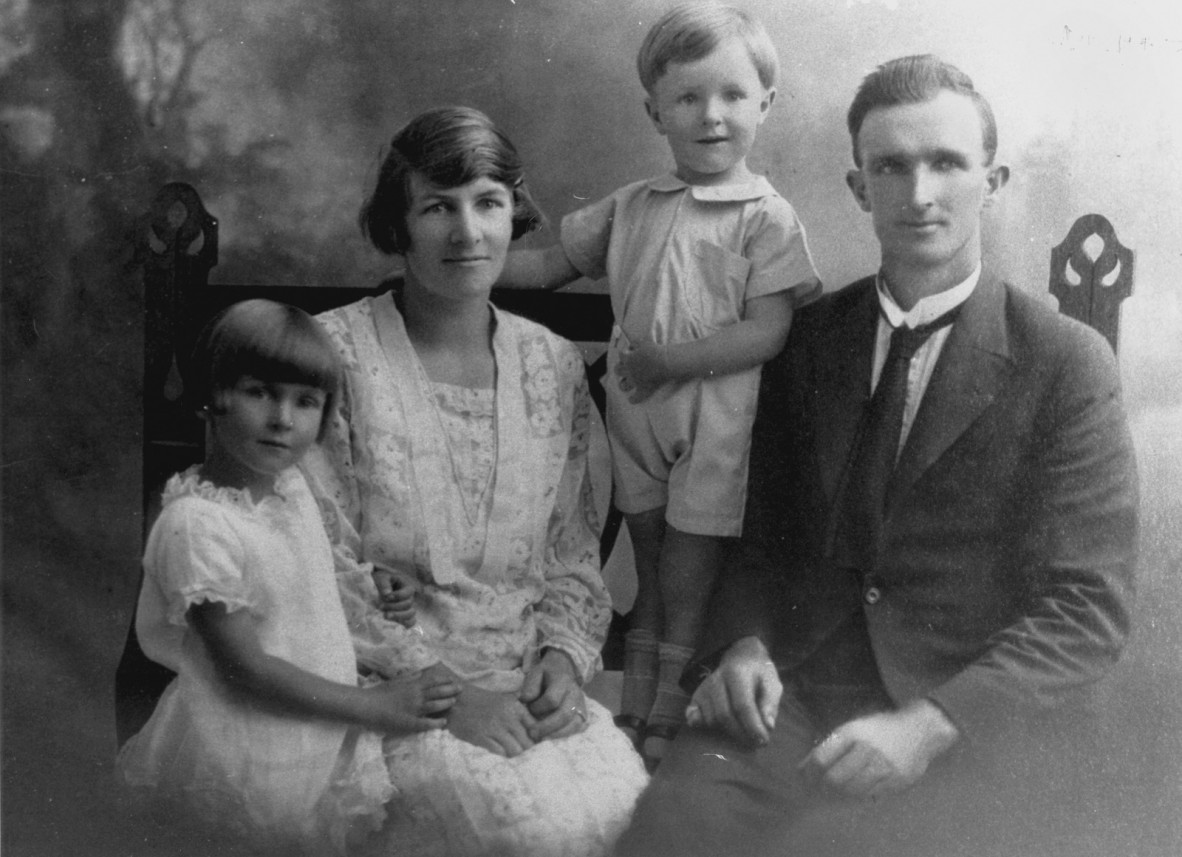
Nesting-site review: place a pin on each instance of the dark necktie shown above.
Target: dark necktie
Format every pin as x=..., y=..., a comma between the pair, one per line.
x=861, y=504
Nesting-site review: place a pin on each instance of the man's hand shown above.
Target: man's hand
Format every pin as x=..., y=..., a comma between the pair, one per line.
x=552, y=694
x=884, y=752
x=742, y=696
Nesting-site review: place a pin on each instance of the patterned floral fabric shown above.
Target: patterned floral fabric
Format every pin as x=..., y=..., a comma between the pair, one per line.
x=485, y=496
x=525, y=575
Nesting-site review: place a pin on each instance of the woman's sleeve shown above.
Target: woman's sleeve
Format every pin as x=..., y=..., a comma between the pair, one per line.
x=576, y=609
x=381, y=645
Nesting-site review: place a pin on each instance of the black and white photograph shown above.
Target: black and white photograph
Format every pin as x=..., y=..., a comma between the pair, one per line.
x=591, y=428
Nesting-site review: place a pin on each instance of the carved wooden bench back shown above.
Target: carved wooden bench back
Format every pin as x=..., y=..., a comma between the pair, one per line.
x=1091, y=274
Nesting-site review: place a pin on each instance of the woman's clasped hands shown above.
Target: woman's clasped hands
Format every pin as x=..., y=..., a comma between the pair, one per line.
x=549, y=705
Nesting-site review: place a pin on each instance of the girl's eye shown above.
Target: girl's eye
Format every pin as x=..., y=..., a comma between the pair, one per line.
x=311, y=402
x=687, y=99
x=492, y=202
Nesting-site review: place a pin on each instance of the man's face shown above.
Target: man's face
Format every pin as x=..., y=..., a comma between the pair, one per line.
x=925, y=180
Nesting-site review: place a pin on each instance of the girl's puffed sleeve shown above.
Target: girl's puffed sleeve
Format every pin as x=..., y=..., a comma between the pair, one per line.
x=194, y=555
x=575, y=610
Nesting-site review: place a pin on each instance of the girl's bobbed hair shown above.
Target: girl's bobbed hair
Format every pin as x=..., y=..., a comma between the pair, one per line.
x=449, y=147
x=270, y=341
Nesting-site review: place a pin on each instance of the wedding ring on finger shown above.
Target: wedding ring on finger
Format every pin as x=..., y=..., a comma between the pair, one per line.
x=579, y=713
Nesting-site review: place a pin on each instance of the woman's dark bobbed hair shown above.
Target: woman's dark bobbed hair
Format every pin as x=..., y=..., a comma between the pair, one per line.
x=449, y=147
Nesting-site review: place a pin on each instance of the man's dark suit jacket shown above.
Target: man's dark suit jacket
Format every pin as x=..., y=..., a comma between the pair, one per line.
x=1004, y=581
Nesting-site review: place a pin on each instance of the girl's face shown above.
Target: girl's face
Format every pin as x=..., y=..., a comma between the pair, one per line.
x=458, y=237
x=260, y=429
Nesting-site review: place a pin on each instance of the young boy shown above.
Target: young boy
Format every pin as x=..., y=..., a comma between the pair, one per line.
x=705, y=267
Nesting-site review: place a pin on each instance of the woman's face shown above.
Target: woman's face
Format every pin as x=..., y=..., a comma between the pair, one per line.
x=458, y=237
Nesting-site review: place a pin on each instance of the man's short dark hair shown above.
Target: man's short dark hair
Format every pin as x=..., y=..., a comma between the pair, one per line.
x=913, y=80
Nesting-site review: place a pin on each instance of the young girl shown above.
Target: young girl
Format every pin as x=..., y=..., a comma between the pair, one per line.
x=264, y=734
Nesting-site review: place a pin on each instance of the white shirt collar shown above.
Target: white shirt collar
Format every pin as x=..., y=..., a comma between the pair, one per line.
x=753, y=187
x=926, y=309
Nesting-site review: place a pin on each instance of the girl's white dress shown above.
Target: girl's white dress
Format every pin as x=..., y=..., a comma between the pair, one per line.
x=259, y=776
x=484, y=496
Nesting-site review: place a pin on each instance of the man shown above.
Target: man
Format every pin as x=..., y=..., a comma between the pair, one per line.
x=906, y=637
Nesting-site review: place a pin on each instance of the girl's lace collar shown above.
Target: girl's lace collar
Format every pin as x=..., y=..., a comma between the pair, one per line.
x=188, y=483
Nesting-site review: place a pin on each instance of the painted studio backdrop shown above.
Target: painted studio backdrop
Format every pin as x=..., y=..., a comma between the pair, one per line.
x=277, y=111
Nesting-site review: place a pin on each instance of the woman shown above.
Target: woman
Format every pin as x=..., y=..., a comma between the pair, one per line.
x=458, y=467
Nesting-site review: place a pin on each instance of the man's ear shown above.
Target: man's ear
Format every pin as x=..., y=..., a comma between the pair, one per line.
x=654, y=115
x=995, y=180
x=856, y=180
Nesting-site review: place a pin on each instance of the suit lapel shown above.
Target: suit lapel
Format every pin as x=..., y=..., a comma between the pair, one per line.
x=842, y=381
x=973, y=367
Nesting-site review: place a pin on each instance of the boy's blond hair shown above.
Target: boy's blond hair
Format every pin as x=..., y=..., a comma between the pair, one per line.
x=692, y=31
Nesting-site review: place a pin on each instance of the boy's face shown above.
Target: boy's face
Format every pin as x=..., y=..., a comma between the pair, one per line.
x=710, y=110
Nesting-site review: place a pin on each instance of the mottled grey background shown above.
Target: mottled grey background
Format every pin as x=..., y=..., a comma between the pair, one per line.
x=277, y=109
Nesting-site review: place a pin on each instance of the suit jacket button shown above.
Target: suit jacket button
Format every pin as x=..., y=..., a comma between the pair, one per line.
x=872, y=595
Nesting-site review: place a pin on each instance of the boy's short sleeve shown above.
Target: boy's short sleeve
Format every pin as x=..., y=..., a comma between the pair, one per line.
x=195, y=555
x=585, y=235
x=778, y=251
